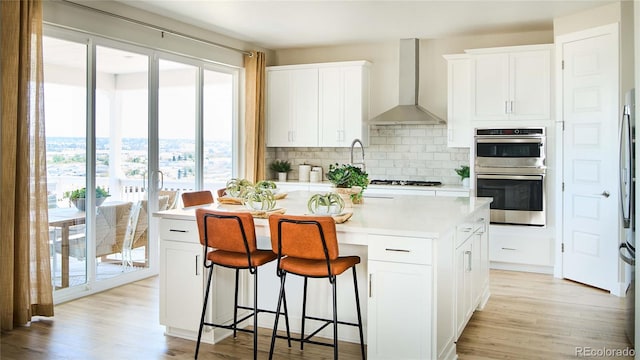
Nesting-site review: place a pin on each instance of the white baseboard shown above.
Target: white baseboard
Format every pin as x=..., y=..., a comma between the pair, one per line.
x=521, y=267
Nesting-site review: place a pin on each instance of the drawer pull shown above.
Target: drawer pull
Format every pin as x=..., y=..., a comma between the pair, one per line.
x=467, y=229
x=468, y=253
x=506, y=248
x=177, y=230
x=398, y=250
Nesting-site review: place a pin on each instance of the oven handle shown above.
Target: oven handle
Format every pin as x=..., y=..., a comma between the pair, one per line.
x=511, y=177
x=510, y=140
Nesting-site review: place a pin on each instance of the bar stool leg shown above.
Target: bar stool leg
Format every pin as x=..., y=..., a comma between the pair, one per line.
x=355, y=286
x=204, y=310
x=335, y=318
x=275, y=325
x=235, y=307
x=286, y=316
x=304, y=313
x=255, y=315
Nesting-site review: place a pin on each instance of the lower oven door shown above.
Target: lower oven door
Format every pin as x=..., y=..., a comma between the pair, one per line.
x=517, y=199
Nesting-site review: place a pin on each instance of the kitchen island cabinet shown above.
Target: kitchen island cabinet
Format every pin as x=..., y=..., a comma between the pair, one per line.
x=406, y=277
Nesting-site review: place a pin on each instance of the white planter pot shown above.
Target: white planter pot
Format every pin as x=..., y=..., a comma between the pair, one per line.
x=282, y=176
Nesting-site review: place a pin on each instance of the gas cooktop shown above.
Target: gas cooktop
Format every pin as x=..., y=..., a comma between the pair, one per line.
x=405, y=182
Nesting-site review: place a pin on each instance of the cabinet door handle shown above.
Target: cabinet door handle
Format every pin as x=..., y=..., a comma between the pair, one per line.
x=506, y=107
x=511, y=249
x=398, y=250
x=468, y=253
x=178, y=231
x=511, y=107
x=370, y=287
x=197, y=267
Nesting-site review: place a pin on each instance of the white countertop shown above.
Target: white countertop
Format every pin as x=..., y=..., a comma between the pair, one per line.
x=397, y=215
x=328, y=184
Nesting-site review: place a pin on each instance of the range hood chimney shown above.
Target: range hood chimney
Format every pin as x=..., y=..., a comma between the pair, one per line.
x=408, y=112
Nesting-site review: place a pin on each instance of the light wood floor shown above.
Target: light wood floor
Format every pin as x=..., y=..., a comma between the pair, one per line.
x=529, y=316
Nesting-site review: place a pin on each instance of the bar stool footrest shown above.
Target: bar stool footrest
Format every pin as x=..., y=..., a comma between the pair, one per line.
x=234, y=326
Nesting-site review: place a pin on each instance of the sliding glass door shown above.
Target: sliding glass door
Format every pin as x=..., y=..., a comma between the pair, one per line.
x=128, y=129
x=65, y=89
x=177, y=109
x=197, y=124
x=121, y=154
x=97, y=151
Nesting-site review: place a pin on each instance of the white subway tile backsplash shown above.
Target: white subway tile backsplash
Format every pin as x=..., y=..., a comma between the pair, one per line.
x=410, y=152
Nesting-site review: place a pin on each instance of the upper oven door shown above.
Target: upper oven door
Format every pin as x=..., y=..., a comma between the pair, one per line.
x=500, y=152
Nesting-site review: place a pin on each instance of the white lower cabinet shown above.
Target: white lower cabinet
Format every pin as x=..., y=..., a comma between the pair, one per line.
x=180, y=271
x=471, y=269
x=513, y=246
x=464, y=285
x=183, y=283
x=182, y=274
x=400, y=284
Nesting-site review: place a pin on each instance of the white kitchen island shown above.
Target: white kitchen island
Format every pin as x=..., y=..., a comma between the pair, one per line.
x=424, y=270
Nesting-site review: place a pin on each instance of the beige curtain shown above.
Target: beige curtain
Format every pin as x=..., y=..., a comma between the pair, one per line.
x=25, y=276
x=254, y=116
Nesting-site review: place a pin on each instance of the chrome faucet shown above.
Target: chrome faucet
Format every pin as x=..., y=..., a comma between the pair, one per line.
x=361, y=163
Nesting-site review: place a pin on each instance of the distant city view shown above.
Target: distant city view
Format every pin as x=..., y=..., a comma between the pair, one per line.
x=66, y=156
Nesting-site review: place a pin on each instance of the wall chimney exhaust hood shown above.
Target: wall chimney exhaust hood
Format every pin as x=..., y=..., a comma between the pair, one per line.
x=408, y=112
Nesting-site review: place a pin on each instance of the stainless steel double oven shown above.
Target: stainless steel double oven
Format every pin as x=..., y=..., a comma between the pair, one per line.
x=510, y=168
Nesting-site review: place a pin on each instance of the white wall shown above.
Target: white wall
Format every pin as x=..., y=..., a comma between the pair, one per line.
x=591, y=18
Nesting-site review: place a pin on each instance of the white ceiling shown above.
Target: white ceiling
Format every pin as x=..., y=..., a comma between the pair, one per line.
x=299, y=23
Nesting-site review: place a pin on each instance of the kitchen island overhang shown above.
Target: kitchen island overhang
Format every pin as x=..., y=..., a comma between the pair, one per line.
x=424, y=270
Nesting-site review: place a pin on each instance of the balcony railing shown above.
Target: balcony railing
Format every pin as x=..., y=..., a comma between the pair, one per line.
x=119, y=189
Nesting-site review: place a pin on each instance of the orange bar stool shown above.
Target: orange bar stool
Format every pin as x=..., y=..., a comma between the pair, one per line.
x=195, y=198
x=232, y=237
x=308, y=246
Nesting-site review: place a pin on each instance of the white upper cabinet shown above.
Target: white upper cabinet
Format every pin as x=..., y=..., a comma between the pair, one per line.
x=511, y=83
x=343, y=105
x=292, y=107
x=315, y=105
x=498, y=84
x=459, y=129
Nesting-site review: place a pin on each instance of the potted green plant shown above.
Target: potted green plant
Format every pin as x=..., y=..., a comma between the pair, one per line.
x=235, y=187
x=77, y=197
x=464, y=172
x=281, y=167
x=325, y=204
x=349, y=177
x=255, y=198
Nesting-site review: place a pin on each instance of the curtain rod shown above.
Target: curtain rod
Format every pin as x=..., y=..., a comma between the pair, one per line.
x=157, y=28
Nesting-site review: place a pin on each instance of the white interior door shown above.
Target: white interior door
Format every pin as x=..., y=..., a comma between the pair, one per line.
x=590, y=174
